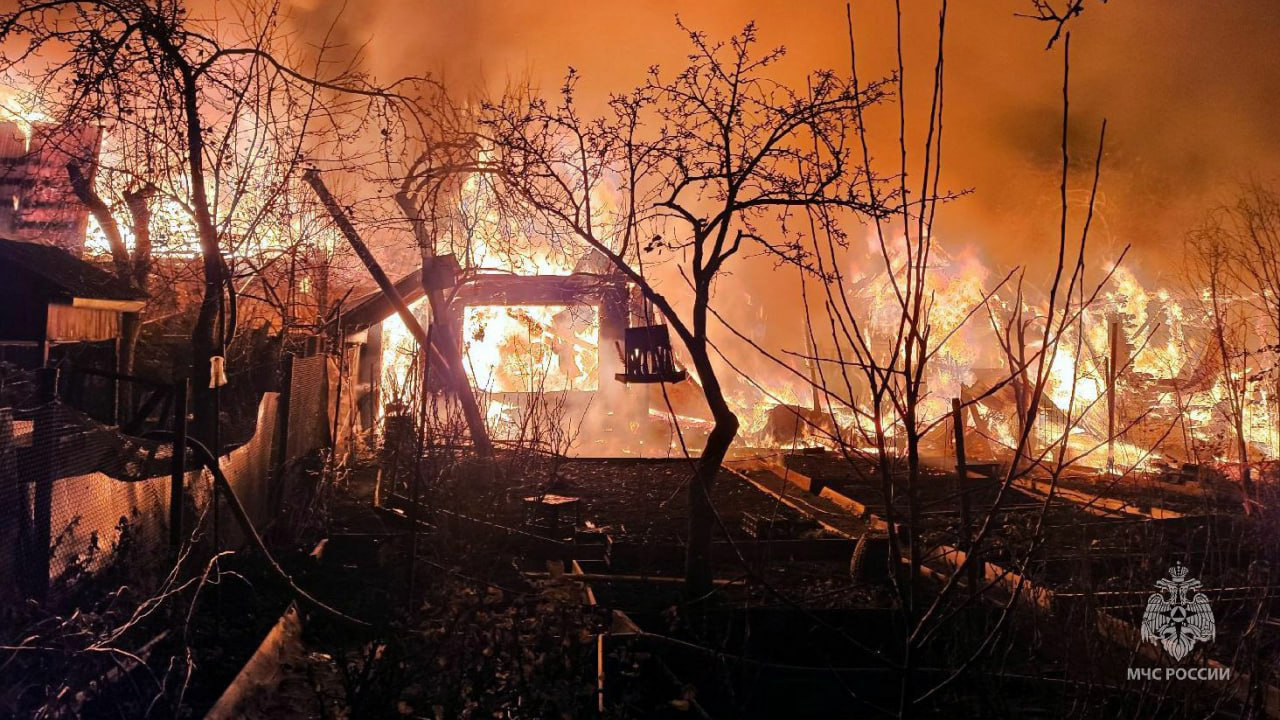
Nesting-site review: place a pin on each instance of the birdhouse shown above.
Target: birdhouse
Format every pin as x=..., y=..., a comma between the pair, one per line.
x=647, y=356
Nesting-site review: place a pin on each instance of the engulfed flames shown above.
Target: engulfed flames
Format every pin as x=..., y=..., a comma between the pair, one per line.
x=401, y=373
x=548, y=348
x=1168, y=409
x=1170, y=398
x=508, y=350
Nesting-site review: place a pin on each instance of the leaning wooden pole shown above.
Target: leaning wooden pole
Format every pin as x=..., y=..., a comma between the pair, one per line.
x=456, y=379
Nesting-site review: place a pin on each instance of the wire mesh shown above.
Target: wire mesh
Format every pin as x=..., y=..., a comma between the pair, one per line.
x=78, y=496
x=74, y=496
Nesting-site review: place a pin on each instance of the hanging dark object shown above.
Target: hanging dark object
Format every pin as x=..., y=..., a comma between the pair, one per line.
x=648, y=358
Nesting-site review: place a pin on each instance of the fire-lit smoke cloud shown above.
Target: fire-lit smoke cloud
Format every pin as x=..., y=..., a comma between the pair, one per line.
x=1190, y=91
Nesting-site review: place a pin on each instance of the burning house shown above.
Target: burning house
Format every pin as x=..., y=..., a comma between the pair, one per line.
x=36, y=200
x=523, y=338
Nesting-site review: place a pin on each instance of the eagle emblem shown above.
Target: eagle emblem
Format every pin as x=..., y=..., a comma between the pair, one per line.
x=1176, y=622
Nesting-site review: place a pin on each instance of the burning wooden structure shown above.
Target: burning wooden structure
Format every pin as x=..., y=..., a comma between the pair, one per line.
x=520, y=335
x=36, y=200
x=51, y=298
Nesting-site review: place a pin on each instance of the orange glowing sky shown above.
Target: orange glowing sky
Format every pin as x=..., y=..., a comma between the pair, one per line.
x=1190, y=89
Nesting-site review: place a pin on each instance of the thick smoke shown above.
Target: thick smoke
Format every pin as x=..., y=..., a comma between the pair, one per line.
x=1189, y=90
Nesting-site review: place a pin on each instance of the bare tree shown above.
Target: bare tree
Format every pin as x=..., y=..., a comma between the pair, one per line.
x=1214, y=279
x=705, y=163
x=1251, y=226
x=429, y=187
x=878, y=378
x=132, y=265
x=209, y=111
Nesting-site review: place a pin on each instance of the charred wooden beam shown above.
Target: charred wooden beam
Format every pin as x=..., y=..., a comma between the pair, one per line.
x=457, y=379
x=376, y=307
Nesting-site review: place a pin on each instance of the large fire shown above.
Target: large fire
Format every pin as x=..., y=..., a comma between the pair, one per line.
x=529, y=349
x=510, y=352
x=1171, y=397
x=1167, y=407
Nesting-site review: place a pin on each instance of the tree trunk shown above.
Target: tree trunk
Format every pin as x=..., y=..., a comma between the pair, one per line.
x=204, y=423
x=702, y=515
x=445, y=345
x=131, y=269
x=1246, y=474
x=457, y=379
x=204, y=343
x=1235, y=400
x=130, y=331
x=137, y=201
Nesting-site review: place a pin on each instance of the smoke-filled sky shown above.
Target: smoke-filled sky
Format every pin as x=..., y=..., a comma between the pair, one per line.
x=1190, y=90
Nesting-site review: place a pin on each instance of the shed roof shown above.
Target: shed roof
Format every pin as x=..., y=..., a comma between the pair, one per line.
x=63, y=273
x=375, y=307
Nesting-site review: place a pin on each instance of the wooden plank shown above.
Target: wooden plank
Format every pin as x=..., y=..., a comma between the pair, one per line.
x=831, y=516
x=276, y=683
x=502, y=289
x=77, y=324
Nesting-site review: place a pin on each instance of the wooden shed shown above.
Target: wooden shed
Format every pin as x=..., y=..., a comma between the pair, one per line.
x=51, y=298
x=607, y=293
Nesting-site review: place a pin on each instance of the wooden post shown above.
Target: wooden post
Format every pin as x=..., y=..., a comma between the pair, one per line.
x=813, y=368
x=116, y=386
x=957, y=423
x=275, y=494
x=962, y=477
x=341, y=374
x=1086, y=574
x=177, y=479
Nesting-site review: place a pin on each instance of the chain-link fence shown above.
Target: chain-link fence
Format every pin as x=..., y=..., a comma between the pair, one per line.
x=74, y=495
x=77, y=496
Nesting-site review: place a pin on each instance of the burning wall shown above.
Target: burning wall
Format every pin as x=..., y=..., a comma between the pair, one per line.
x=36, y=201
x=528, y=337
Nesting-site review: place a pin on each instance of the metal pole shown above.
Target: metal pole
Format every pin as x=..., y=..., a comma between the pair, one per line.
x=179, y=472
x=1113, y=370
x=44, y=440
